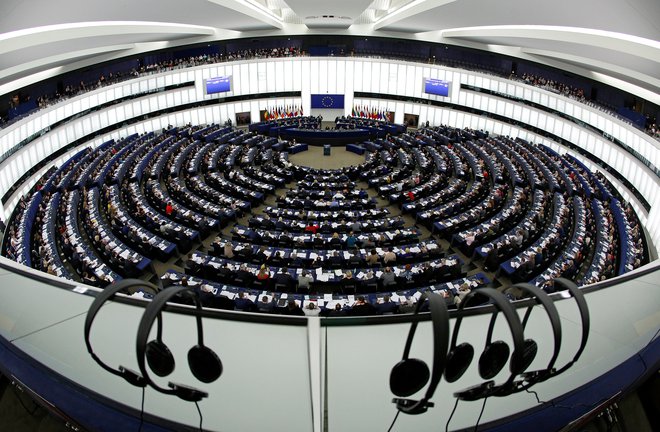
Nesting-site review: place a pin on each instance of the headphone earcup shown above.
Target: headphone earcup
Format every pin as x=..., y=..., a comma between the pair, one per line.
x=204, y=363
x=458, y=360
x=159, y=358
x=528, y=356
x=493, y=359
x=408, y=377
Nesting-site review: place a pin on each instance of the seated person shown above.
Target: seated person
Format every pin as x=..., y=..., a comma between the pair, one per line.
x=335, y=241
x=311, y=310
x=406, y=274
x=243, y=276
x=335, y=260
x=263, y=274
x=311, y=228
x=388, y=277
x=228, y=250
x=362, y=307
x=266, y=306
x=284, y=278
x=355, y=260
x=304, y=280
x=389, y=257
x=243, y=302
x=293, y=309
x=372, y=258
x=387, y=306
x=351, y=240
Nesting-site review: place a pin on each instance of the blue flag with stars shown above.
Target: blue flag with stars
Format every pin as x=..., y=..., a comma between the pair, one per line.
x=328, y=101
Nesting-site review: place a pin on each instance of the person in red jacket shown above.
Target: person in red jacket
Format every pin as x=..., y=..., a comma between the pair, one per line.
x=169, y=209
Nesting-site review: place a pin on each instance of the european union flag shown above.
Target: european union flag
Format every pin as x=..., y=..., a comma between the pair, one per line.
x=331, y=101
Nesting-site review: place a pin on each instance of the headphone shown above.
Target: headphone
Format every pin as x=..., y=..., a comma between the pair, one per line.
x=563, y=284
x=129, y=375
x=204, y=363
x=495, y=353
x=530, y=346
x=410, y=375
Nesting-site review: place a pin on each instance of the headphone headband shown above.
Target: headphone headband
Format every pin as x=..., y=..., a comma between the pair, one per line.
x=502, y=305
x=584, y=318
x=152, y=313
x=512, y=385
x=551, y=310
x=440, y=321
x=105, y=295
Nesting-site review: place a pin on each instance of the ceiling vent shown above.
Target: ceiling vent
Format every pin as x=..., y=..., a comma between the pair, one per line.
x=328, y=21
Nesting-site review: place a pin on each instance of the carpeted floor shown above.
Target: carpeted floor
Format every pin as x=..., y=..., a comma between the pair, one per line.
x=314, y=158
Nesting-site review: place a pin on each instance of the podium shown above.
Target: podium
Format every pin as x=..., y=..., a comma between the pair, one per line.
x=326, y=149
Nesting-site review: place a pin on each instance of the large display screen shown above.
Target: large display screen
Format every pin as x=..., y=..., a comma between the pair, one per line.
x=436, y=87
x=328, y=101
x=218, y=84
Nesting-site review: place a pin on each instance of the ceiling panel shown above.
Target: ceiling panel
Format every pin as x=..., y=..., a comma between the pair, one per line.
x=20, y=14
x=634, y=17
x=348, y=8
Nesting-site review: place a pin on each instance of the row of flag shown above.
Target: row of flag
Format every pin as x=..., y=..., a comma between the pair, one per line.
x=283, y=112
x=368, y=112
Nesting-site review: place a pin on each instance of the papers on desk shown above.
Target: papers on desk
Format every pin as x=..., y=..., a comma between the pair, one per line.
x=338, y=273
x=124, y=254
x=228, y=294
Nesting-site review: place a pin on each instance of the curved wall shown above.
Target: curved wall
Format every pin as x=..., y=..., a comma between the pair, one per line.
x=281, y=374
x=254, y=80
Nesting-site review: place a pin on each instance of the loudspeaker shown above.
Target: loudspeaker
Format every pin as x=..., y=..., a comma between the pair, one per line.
x=204, y=363
x=109, y=292
x=410, y=375
x=495, y=354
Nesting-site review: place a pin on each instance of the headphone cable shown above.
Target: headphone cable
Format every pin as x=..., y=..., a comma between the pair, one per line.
x=483, y=406
x=142, y=411
x=394, y=421
x=451, y=415
x=200, y=416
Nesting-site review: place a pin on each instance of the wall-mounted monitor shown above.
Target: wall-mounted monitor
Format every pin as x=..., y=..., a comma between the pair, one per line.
x=217, y=85
x=243, y=118
x=410, y=120
x=436, y=87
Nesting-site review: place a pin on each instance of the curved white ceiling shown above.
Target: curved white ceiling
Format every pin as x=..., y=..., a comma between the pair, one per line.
x=608, y=40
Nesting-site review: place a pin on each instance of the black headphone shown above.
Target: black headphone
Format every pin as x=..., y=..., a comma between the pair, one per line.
x=495, y=353
x=410, y=375
x=545, y=374
x=530, y=346
x=131, y=376
x=204, y=363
